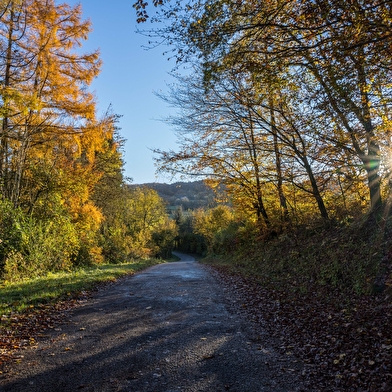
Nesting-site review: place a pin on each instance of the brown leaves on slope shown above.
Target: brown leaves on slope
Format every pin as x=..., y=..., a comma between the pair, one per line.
x=20, y=330
x=345, y=344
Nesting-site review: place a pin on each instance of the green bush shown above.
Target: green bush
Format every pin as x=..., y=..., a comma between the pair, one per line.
x=163, y=242
x=37, y=247
x=115, y=244
x=11, y=222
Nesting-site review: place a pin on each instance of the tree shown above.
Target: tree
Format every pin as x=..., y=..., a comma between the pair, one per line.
x=233, y=134
x=45, y=103
x=111, y=195
x=163, y=238
x=213, y=225
x=218, y=140
x=56, y=157
x=340, y=50
x=146, y=215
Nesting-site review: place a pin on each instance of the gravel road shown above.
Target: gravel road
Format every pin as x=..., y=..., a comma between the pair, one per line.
x=172, y=327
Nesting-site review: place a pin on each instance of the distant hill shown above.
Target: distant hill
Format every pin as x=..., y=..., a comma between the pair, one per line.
x=189, y=195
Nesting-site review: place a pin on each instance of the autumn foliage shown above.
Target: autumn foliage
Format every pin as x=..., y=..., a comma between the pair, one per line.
x=288, y=105
x=62, y=191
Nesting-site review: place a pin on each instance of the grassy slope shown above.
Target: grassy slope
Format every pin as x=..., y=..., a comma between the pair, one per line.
x=318, y=259
x=313, y=289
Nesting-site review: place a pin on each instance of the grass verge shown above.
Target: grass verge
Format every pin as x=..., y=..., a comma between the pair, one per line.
x=17, y=297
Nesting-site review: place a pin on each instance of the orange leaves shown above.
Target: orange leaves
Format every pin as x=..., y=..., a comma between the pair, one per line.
x=54, y=151
x=46, y=102
x=58, y=73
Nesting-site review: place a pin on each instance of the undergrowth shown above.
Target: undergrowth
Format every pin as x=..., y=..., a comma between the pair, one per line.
x=353, y=259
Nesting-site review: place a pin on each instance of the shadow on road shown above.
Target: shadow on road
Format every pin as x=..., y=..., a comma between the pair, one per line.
x=165, y=329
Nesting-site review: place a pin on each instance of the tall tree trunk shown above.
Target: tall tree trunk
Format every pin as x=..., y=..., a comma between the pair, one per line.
x=20, y=157
x=315, y=188
x=372, y=159
x=4, y=153
x=278, y=163
x=259, y=205
x=260, y=209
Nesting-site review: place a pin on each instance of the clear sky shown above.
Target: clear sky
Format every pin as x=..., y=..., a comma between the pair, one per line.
x=129, y=77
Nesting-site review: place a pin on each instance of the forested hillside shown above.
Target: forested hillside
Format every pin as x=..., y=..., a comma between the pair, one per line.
x=188, y=195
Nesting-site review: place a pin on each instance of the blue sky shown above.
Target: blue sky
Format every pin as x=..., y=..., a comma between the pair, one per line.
x=129, y=77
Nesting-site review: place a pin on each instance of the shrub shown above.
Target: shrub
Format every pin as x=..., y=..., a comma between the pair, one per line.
x=42, y=247
x=11, y=222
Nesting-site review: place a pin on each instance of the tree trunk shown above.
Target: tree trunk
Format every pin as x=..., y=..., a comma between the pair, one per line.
x=259, y=205
x=372, y=159
x=4, y=153
x=278, y=163
x=315, y=189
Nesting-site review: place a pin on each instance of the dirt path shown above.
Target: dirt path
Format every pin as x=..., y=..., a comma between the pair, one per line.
x=169, y=328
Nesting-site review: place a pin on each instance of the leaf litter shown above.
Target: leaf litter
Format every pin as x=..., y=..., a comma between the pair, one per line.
x=21, y=330
x=345, y=344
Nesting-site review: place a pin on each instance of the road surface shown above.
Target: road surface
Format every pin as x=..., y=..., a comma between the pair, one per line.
x=169, y=328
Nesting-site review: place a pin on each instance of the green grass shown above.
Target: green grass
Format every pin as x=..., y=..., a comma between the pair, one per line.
x=29, y=293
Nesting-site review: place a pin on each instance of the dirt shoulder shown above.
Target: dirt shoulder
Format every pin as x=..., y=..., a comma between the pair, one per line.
x=172, y=327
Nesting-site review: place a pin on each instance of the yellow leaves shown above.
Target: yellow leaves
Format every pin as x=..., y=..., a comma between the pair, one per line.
x=17, y=101
x=209, y=223
x=58, y=75
x=57, y=142
x=91, y=215
x=92, y=141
